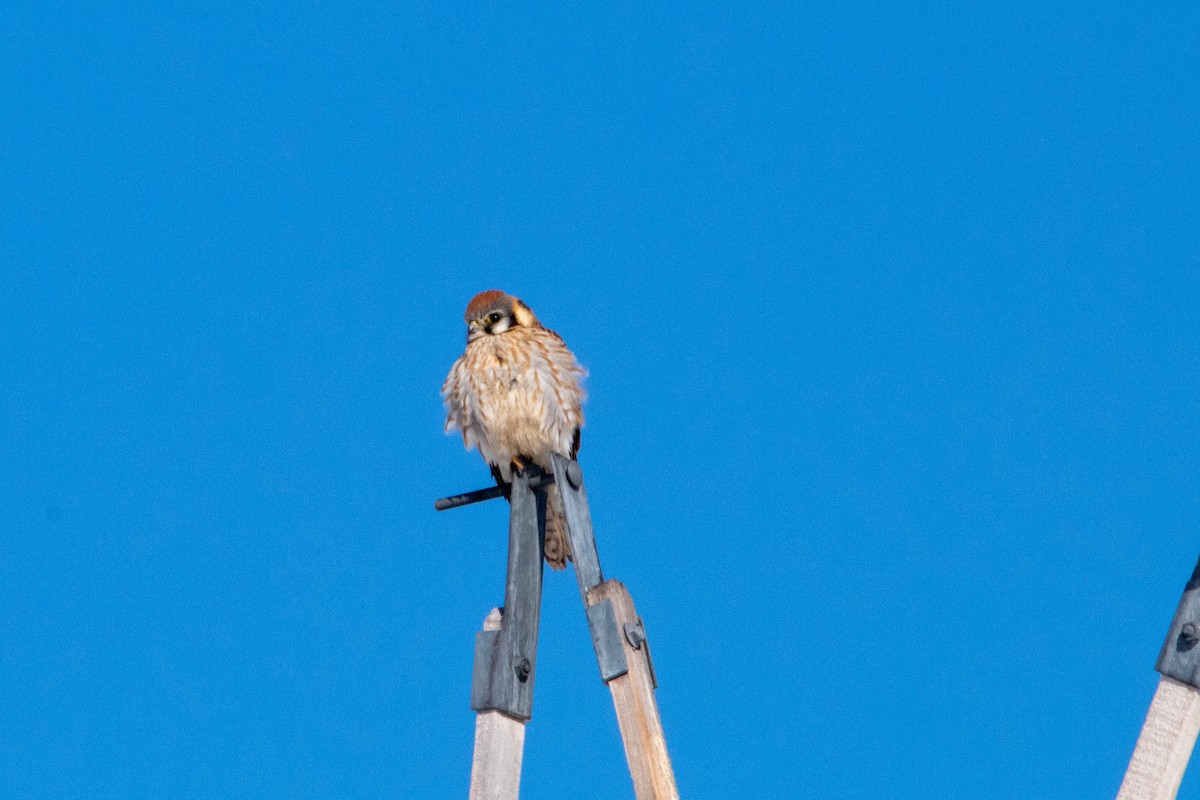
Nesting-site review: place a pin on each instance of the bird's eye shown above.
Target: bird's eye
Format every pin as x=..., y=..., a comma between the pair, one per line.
x=494, y=316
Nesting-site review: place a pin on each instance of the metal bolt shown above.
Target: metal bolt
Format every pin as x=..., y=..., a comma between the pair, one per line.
x=635, y=634
x=574, y=474
x=523, y=668
x=1190, y=632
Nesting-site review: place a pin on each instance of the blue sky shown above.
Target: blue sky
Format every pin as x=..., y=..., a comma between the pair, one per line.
x=892, y=318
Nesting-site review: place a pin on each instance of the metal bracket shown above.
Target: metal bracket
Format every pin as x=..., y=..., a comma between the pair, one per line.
x=505, y=660
x=481, y=673
x=606, y=639
x=635, y=634
x=1180, y=655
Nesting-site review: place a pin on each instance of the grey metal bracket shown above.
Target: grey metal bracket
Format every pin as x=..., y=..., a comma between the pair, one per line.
x=606, y=639
x=635, y=634
x=506, y=660
x=1180, y=655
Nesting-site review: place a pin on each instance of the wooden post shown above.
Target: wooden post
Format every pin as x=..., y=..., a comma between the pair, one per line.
x=1165, y=744
x=499, y=747
x=633, y=698
x=502, y=685
x=1169, y=734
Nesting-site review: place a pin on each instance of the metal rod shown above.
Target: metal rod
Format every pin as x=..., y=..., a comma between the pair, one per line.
x=490, y=493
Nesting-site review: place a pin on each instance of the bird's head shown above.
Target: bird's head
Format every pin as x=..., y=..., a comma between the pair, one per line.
x=493, y=312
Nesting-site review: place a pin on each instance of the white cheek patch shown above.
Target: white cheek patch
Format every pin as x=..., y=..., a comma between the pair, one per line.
x=503, y=325
x=524, y=316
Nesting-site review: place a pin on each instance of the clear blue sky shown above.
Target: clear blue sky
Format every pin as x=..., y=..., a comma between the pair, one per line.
x=892, y=315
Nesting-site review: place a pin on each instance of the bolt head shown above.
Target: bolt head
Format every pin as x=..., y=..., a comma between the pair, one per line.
x=635, y=634
x=574, y=474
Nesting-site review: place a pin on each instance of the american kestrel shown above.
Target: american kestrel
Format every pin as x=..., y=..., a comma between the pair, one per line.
x=516, y=393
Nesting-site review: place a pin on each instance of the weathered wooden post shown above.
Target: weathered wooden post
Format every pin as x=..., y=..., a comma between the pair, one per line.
x=506, y=649
x=622, y=650
x=506, y=654
x=1169, y=733
x=499, y=746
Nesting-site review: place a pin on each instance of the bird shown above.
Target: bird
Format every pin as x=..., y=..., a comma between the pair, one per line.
x=516, y=393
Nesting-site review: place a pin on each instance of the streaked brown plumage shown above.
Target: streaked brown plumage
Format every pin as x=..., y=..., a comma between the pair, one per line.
x=516, y=393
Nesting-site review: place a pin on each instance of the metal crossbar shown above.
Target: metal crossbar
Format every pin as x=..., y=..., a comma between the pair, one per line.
x=537, y=481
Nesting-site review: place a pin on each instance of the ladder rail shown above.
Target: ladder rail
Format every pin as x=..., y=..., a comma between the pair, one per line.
x=506, y=649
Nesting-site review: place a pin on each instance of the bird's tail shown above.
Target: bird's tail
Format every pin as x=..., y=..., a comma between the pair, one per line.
x=558, y=545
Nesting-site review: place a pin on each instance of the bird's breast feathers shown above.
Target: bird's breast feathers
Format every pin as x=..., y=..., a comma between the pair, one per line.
x=515, y=393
